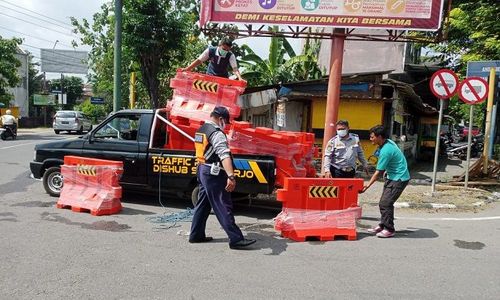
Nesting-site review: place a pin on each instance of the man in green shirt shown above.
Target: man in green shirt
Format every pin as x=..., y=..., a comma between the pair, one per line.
x=393, y=162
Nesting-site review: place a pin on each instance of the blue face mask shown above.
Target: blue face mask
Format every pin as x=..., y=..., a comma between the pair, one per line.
x=222, y=52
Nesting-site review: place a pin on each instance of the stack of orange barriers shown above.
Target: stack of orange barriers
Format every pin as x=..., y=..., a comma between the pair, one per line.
x=293, y=151
x=91, y=185
x=319, y=208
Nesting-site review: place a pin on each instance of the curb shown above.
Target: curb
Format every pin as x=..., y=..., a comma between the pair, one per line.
x=436, y=205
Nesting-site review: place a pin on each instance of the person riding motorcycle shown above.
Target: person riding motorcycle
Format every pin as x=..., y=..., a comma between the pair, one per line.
x=9, y=122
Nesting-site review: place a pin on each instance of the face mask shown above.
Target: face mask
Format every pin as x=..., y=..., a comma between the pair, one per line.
x=222, y=124
x=222, y=52
x=342, y=133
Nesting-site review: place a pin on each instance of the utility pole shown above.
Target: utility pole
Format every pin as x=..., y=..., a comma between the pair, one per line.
x=118, y=55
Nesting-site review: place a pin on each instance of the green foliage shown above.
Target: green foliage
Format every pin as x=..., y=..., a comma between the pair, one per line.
x=473, y=35
x=8, y=66
x=94, y=111
x=283, y=65
x=158, y=37
x=73, y=87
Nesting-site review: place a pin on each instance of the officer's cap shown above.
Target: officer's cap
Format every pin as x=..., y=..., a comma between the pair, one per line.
x=221, y=111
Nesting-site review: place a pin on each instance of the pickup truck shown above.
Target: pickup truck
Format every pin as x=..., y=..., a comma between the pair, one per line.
x=149, y=165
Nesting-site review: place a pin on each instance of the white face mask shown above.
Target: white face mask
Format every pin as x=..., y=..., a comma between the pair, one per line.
x=342, y=133
x=222, y=124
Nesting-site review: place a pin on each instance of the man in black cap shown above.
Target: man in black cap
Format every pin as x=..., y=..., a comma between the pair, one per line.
x=216, y=178
x=220, y=59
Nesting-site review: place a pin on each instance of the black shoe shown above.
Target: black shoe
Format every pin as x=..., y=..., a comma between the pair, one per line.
x=242, y=244
x=206, y=239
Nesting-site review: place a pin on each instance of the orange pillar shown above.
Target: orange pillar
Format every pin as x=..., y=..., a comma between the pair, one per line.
x=334, y=82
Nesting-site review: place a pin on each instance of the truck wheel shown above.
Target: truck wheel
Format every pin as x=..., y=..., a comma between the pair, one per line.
x=194, y=196
x=53, y=181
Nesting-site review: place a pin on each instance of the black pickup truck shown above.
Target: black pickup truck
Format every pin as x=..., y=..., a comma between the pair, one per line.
x=136, y=139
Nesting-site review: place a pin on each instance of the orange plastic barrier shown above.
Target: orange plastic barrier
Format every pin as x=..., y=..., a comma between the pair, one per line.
x=300, y=224
x=195, y=95
x=319, y=207
x=91, y=185
x=293, y=151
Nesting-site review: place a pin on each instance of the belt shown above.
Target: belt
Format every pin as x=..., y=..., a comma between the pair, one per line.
x=345, y=169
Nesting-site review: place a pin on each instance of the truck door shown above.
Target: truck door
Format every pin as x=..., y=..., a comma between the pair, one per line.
x=118, y=139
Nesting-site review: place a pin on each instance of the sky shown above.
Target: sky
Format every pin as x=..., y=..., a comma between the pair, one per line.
x=46, y=24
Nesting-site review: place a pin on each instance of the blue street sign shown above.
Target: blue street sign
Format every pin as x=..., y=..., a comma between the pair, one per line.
x=96, y=100
x=482, y=68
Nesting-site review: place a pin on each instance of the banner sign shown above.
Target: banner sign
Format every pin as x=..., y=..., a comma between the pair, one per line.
x=422, y=15
x=39, y=99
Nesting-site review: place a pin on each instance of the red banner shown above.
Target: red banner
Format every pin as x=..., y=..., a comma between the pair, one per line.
x=422, y=15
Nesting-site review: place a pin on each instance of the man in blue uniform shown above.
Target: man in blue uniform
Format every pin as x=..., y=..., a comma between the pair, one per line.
x=216, y=177
x=220, y=58
x=341, y=153
x=393, y=162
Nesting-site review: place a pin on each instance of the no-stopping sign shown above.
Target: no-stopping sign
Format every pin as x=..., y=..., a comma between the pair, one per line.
x=473, y=90
x=444, y=84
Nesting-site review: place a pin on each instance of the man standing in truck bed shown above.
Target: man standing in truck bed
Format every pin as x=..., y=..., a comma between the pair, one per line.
x=216, y=177
x=220, y=59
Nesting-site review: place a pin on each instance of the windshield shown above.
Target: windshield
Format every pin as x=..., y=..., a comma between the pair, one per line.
x=65, y=114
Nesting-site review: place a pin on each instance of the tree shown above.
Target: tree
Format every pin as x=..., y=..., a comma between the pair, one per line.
x=473, y=35
x=94, y=111
x=283, y=65
x=8, y=66
x=159, y=36
x=73, y=87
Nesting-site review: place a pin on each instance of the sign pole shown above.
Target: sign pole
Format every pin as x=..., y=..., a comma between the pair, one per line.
x=334, y=83
x=469, y=142
x=436, y=154
x=487, y=129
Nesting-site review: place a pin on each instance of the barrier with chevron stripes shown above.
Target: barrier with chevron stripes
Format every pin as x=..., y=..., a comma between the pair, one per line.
x=205, y=86
x=91, y=185
x=319, y=208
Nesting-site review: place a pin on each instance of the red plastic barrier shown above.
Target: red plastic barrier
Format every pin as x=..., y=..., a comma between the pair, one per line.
x=91, y=185
x=300, y=224
x=320, y=208
x=195, y=95
x=320, y=193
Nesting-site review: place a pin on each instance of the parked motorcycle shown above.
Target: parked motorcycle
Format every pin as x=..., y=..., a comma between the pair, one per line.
x=460, y=149
x=8, y=131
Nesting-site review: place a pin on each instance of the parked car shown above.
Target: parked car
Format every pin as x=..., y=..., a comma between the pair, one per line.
x=70, y=120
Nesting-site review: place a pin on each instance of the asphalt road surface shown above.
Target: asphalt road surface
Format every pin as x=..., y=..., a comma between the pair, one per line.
x=50, y=253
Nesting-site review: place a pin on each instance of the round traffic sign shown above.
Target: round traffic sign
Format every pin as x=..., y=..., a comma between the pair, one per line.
x=444, y=83
x=473, y=90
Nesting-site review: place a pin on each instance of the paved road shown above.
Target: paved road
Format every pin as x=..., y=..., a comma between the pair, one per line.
x=48, y=253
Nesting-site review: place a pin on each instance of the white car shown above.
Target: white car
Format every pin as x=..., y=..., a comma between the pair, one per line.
x=70, y=120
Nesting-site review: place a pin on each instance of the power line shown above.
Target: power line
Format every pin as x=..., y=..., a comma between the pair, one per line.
x=15, y=5
x=32, y=36
x=71, y=35
x=20, y=12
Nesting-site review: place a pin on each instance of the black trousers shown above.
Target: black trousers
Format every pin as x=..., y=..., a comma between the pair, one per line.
x=338, y=173
x=212, y=194
x=390, y=194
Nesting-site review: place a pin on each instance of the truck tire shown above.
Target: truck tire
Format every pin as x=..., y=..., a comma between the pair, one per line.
x=53, y=181
x=194, y=195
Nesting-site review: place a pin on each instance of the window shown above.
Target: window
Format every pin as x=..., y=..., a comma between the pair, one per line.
x=65, y=114
x=121, y=128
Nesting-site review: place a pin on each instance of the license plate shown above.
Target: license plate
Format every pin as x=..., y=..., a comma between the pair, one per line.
x=64, y=122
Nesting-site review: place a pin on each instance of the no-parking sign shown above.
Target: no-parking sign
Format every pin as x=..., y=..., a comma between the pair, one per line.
x=444, y=84
x=473, y=90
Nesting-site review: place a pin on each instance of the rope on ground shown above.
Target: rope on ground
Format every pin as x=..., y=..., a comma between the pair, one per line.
x=170, y=221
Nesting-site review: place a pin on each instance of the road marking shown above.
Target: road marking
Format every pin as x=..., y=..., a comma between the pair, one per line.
x=443, y=219
x=38, y=142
